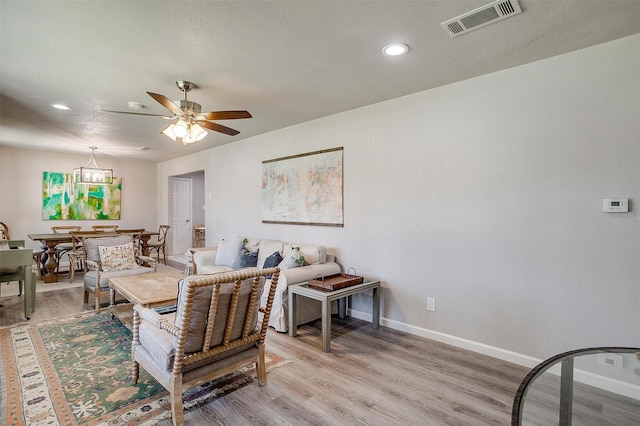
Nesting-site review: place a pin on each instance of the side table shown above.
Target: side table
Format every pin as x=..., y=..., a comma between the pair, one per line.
x=326, y=297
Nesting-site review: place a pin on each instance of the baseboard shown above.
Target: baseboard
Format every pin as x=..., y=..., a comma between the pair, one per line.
x=586, y=377
x=492, y=351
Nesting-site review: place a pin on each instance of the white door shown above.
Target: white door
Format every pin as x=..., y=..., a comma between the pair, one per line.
x=181, y=216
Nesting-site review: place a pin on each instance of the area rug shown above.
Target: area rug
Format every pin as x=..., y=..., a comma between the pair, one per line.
x=77, y=371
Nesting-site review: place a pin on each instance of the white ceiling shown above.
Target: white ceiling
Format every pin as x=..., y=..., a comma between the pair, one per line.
x=286, y=62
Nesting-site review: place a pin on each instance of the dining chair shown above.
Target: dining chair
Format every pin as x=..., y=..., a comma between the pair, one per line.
x=215, y=330
x=63, y=248
x=199, y=232
x=136, y=234
x=105, y=228
x=161, y=244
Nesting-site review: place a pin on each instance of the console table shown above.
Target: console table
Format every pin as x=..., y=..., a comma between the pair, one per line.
x=326, y=297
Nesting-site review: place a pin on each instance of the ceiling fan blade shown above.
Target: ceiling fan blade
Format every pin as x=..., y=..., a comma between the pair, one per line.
x=166, y=102
x=138, y=113
x=222, y=115
x=218, y=128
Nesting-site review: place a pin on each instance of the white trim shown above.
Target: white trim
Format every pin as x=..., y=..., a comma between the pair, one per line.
x=612, y=385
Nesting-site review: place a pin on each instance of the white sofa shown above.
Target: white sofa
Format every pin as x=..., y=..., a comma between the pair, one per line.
x=317, y=262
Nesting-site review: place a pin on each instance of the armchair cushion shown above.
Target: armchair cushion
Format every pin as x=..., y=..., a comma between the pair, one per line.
x=117, y=258
x=200, y=313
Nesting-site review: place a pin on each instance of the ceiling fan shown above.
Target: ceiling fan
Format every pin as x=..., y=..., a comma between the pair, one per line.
x=190, y=121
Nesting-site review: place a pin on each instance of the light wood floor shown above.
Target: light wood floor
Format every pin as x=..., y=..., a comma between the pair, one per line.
x=371, y=377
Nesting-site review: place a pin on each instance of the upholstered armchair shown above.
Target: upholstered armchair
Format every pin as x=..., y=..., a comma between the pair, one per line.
x=110, y=257
x=213, y=332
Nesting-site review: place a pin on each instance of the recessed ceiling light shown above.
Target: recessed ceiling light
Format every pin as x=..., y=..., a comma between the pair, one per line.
x=395, y=49
x=135, y=105
x=60, y=106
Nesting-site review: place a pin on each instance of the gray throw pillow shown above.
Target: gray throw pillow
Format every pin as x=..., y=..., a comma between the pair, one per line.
x=272, y=261
x=246, y=259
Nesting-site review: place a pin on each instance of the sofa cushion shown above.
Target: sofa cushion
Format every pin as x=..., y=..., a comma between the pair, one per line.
x=313, y=254
x=117, y=258
x=213, y=269
x=246, y=259
x=228, y=251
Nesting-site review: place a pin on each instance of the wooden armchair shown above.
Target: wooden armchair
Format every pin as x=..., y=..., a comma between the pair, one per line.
x=213, y=332
x=110, y=257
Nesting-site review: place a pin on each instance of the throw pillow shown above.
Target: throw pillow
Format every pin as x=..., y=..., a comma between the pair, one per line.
x=117, y=258
x=293, y=259
x=246, y=259
x=228, y=251
x=272, y=261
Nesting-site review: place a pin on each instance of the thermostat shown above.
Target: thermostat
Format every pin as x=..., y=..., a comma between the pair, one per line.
x=615, y=205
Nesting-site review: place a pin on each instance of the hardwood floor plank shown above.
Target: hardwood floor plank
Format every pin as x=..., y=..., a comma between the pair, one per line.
x=371, y=377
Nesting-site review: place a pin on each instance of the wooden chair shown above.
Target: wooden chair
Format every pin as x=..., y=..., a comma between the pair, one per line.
x=105, y=228
x=213, y=332
x=96, y=279
x=161, y=244
x=63, y=248
x=77, y=255
x=136, y=234
x=199, y=232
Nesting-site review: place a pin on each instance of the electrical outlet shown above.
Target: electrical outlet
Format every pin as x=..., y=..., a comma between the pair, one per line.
x=431, y=304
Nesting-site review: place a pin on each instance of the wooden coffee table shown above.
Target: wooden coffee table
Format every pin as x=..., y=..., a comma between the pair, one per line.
x=149, y=290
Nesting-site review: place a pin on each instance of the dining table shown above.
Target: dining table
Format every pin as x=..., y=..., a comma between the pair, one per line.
x=51, y=240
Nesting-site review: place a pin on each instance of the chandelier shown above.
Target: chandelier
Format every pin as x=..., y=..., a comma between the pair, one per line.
x=92, y=174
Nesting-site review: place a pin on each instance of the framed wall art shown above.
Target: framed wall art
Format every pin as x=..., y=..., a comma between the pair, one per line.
x=64, y=200
x=304, y=189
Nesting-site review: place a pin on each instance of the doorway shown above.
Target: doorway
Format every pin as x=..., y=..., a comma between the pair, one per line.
x=186, y=210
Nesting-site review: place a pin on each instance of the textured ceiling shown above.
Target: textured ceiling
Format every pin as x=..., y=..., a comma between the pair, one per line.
x=286, y=62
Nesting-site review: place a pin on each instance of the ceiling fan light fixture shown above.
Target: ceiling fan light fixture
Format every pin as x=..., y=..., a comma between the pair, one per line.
x=181, y=129
x=196, y=133
x=168, y=131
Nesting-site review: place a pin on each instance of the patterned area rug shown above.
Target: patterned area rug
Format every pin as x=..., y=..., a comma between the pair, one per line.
x=77, y=371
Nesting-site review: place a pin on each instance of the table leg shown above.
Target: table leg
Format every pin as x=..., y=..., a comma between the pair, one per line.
x=29, y=292
x=293, y=327
x=375, y=323
x=144, y=240
x=51, y=264
x=326, y=325
x=342, y=307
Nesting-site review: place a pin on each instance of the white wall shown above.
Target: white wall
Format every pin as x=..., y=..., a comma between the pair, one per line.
x=21, y=191
x=485, y=195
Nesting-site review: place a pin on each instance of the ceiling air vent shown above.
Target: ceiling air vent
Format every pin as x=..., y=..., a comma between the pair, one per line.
x=485, y=15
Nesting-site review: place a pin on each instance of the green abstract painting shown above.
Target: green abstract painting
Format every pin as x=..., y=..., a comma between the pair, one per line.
x=64, y=200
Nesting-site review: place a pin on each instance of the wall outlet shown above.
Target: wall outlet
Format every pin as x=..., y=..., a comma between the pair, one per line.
x=431, y=304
